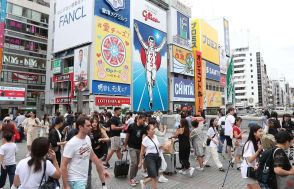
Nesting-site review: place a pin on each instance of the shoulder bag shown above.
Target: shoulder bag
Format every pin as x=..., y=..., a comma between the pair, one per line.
x=49, y=184
x=158, y=158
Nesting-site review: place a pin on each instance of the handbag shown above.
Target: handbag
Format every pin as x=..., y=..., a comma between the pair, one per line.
x=49, y=184
x=158, y=158
x=209, y=140
x=251, y=172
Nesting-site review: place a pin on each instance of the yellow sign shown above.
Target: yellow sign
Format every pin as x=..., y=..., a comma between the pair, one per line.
x=183, y=61
x=112, y=52
x=205, y=40
x=214, y=98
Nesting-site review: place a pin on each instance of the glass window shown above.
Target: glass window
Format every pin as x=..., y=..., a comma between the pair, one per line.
x=27, y=13
x=9, y=8
x=17, y=10
x=44, y=18
x=36, y=16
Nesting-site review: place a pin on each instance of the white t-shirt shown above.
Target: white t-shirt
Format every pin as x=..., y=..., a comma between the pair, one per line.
x=130, y=121
x=230, y=120
x=28, y=178
x=149, y=145
x=211, y=133
x=79, y=151
x=8, y=150
x=249, y=151
x=219, y=123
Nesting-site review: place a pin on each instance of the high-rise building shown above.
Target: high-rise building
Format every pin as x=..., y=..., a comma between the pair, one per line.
x=23, y=48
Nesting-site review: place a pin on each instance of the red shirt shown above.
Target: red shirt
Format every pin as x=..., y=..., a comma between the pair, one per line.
x=238, y=130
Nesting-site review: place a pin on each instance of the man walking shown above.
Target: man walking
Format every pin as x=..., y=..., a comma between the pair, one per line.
x=115, y=130
x=229, y=123
x=76, y=155
x=135, y=134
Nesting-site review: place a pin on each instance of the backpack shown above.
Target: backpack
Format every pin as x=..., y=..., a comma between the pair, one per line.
x=265, y=171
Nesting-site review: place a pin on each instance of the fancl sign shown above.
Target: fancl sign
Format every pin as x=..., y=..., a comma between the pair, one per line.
x=72, y=18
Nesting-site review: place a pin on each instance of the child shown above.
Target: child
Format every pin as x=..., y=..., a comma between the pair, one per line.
x=7, y=159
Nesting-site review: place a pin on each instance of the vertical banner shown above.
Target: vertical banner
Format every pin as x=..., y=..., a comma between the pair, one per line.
x=81, y=67
x=198, y=84
x=113, y=52
x=149, y=68
x=227, y=37
x=2, y=27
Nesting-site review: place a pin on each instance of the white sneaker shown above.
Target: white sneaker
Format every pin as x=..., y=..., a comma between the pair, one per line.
x=162, y=179
x=183, y=172
x=191, y=171
x=104, y=187
x=199, y=168
x=143, y=186
x=144, y=174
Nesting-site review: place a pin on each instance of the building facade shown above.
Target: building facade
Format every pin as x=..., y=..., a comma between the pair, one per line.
x=23, y=48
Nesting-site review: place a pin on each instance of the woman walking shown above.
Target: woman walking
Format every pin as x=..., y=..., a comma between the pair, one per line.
x=237, y=137
x=31, y=127
x=45, y=125
x=197, y=143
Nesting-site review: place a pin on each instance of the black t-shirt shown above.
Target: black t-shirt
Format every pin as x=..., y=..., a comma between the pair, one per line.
x=108, y=125
x=281, y=160
x=136, y=133
x=115, y=121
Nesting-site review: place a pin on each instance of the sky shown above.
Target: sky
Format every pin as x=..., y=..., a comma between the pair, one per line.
x=269, y=20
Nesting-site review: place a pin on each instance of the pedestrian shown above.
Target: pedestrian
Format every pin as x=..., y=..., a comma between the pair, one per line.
x=183, y=134
x=116, y=128
x=133, y=140
x=221, y=129
x=129, y=118
x=237, y=135
x=251, y=151
x=197, y=139
x=7, y=159
x=31, y=127
x=45, y=125
x=266, y=115
x=76, y=155
x=229, y=123
x=212, y=144
x=106, y=126
x=55, y=138
x=30, y=171
x=19, y=120
x=152, y=161
x=177, y=119
x=98, y=137
x=8, y=126
x=287, y=123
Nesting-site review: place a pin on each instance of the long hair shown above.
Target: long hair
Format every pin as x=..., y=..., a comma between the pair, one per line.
x=251, y=138
x=211, y=122
x=184, y=124
x=44, y=118
x=40, y=147
x=284, y=116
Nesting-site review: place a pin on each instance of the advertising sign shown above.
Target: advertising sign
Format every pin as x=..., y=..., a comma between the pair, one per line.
x=63, y=100
x=223, y=61
x=2, y=26
x=64, y=84
x=1, y=59
x=223, y=81
x=81, y=67
x=3, y=10
x=16, y=76
x=212, y=71
x=12, y=93
x=180, y=31
x=183, y=61
x=111, y=101
x=214, y=98
x=183, y=89
x=149, y=68
x=56, y=66
x=73, y=23
x=195, y=33
x=149, y=14
x=227, y=37
x=113, y=52
x=108, y=88
x=113, y=10
x=198, y=83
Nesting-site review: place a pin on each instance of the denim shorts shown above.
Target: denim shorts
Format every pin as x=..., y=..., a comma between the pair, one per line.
x=78, y=184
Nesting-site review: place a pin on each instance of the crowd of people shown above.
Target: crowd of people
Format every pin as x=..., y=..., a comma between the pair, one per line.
x=65, y=147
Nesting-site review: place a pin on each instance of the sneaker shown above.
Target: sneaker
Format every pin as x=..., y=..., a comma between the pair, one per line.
x=106, y=165
x=133, y=182
x=104, y=187
x=143, y=186
x=184, y=172
x=221, y=169
x=191, y=171
x=144, y=174
x=136, y=180
x=199, y=168
x=162, y=179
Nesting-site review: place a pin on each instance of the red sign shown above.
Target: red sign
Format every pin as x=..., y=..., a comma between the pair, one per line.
x=62, y=100
x=111, y=101
x=149, y=16
x=223, y=81
x=64, y=77
x=24, y=76
x=12, y=94
x=198, y=83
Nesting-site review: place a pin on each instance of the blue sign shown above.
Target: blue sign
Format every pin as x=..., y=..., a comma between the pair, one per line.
x=183, y=26
x=212, y=71
x=184, y=89
x=114, y=10
x=108, y=88
x=3, y=10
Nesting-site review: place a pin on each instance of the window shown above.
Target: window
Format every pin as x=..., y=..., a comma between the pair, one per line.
x=252, y=93
x=17, y=10
x=27, y=13
x=251, y=70
x=251, y=65
x=9, y=8
x=36, y=16
x=250, y=54
x=251, y=76
x=250, y=59
x=252, y=88
x=252, y=82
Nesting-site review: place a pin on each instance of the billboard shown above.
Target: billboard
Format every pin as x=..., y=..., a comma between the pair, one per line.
x=183, y=89
x=149, y=68
x=3, y=10
x=183, y=61
x=180, y=33
x=199, y=84
x=1, y=59
x=112, y=60
x=223, y=60
x=113, y=10
x=227, y=37
x=12, y=93
x=108, y=88
x=205, y=39
x=212, y=71
x=111, y=101
x=81, y=57
x=73, y=23
x=214, y=98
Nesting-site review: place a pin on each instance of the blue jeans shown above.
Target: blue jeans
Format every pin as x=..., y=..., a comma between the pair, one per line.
x=81, y=184
x=220, y=146
x=10, y=170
